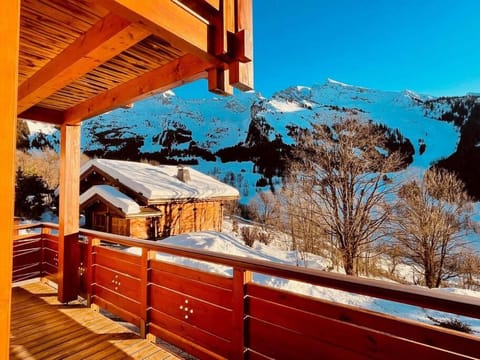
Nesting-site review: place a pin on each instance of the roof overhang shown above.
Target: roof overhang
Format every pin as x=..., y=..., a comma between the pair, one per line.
x=81, y=58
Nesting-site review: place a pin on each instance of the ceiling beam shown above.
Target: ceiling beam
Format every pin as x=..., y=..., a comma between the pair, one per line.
x=171, y=21
x=38, y=113
x=106, y=39
x=180, y=71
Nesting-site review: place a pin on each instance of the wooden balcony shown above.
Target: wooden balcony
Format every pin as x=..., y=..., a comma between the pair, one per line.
x=64, y=61
x=44, y=328
x=216, y=317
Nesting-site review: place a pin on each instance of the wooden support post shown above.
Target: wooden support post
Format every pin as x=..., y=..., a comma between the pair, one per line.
x=69, y=213
x=240, y=279
x=89, y=268
x=92, y=243
x=144, y=295
x=9, y=28
x=45, y=230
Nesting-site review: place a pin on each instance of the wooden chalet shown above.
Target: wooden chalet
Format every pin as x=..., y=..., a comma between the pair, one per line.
x=64, y=61
x=150, y=202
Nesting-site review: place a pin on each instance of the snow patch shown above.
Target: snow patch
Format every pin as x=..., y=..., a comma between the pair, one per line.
x=113, y=196
x=158, y=183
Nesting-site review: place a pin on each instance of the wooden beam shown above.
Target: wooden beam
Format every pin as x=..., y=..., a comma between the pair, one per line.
x=241, y=72
x=180, y=71
x=171, y=21
x=107, y=38
x=218, y=82
x=207, y=9
x=38, y=113
x=241, y=75
x=9, y=28
x=225, y=27
x=69, y=214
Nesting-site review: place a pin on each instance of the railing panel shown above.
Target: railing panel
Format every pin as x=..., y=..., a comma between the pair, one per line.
x=188, y=337
x=194, y=274
x=27, y=258
x=116, y=283
x=193, y=311
x=310, y=319
x=413, y=330
x=116, y=307
x=117, y=260
x=192, y=283
x=276, y=342
x=120, y=301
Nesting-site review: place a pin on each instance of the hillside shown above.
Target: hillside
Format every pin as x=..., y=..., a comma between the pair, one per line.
x=245, y=140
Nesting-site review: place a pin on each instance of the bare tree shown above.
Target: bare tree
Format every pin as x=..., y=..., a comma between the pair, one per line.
x=300, y=219
x=44, y=163
x=432, y=218
x=340, y=173
x=265, y=209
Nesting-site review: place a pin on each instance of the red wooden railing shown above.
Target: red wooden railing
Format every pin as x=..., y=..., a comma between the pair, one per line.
x=213, y=316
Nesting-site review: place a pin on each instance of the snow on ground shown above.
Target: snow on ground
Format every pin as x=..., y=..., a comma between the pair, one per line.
x=228, y=242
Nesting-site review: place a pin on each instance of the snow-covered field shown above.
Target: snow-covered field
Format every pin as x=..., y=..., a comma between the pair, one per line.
x=228, y=242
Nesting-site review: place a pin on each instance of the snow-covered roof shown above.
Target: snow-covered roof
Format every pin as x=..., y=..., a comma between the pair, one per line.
x=160, y=183
x=113, y=196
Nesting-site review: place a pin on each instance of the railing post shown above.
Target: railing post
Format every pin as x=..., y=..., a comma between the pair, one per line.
x=241, y=278
x=144, y=295
x=44, y=231
x=92, y=242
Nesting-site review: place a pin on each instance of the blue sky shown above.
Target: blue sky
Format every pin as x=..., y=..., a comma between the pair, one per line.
x=428, y=46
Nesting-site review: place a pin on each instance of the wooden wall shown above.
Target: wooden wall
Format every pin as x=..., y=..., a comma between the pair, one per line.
x=177, y=218
x=139, y=228
x=181, y=218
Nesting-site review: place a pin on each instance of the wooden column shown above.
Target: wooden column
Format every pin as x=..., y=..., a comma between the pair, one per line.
x=68, y=248
x=9, y=28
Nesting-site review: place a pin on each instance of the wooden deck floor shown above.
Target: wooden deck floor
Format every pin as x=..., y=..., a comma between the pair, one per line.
x=43, y=328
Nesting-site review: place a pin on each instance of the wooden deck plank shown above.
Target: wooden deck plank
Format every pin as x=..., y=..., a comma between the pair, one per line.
x=44, y=328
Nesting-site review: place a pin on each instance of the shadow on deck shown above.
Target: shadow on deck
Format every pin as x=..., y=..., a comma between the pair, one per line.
x=43, y=328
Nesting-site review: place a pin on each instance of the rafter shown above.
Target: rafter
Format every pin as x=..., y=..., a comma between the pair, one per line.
x=38, y=113
x=180, y=71
x=170, y=21
x=107, y=38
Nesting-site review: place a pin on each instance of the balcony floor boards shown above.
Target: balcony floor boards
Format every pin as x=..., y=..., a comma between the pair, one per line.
x=43, y=328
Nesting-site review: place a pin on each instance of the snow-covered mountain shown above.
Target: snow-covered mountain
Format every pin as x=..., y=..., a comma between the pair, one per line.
x=243, y=139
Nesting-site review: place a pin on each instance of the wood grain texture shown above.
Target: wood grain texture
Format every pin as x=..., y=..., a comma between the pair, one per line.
x=109, y=37
x=44, y=328
x=69, y=213
x=74, y=51
x=9, y=45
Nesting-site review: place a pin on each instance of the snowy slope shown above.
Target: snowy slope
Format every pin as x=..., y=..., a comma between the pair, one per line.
x=403, y=110
x=172, y=130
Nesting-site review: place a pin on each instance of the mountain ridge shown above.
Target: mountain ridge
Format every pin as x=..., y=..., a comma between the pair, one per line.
x=243, y=139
